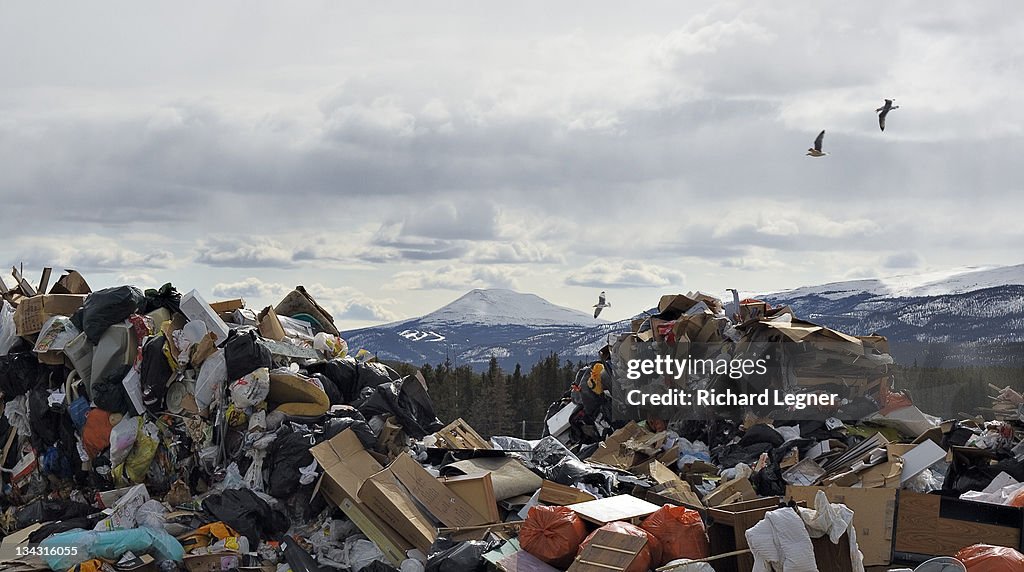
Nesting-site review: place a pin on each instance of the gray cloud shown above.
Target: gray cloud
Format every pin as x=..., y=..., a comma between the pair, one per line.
x=625, y=274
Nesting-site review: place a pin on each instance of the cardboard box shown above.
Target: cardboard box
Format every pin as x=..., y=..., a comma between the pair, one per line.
x=33, y=312
x=71, y=283
x=934, y=525
x=736, y=490
x=874, y=516
x=346, y=464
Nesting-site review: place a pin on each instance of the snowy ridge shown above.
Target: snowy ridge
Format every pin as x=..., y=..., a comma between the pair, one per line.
x=938, y=283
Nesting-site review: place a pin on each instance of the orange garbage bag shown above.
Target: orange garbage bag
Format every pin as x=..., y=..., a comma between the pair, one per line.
x=1018, y=499
x=987, y=558
x=96, y=432
x=553, y=534
x=650, y=554
x=680, y=531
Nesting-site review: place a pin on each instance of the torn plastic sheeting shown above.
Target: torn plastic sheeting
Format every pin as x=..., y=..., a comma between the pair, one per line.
x=105, y=308
x=109, y=545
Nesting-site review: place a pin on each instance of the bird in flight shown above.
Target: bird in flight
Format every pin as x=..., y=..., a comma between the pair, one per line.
x=816, y=150
x=601, y=304
x=884, y=110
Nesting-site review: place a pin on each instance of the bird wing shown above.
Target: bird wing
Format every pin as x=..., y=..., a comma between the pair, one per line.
x=597, y=311
x=881, y=119
x=817, y=142
x=600, y=299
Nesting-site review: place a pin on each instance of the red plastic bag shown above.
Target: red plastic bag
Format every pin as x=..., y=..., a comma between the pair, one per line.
x=987, y=558
x=553, y=534
x=680, y=531
x=650, y=554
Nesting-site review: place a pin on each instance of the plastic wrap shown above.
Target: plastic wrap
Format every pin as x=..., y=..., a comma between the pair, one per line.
x=109, y=545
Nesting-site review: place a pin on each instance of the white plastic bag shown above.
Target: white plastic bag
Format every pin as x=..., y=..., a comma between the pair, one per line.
x=8, y=331
x=55, y=334
x=213, y=374
x=251, y=389
x=16, y=412
x=122, y=439
x=361, y=553
x=152, y=514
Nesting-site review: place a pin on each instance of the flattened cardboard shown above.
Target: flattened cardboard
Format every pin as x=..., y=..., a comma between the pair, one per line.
x=380, y=533
x=874, y=512
x=621, y=507
x=562, y=495
x=736, y=490
x=388, y=499
x=478, y=492
x=227, y=306
x=442, y=503
x=33, y=312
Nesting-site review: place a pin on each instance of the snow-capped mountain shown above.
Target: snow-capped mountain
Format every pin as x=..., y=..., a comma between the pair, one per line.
x=972, y=315
x=969, y=315
x=511, y=326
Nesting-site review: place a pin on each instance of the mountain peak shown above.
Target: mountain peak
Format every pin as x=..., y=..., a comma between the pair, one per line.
x=499, y=306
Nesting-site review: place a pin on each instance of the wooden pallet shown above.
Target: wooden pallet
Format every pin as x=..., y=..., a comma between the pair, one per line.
x=459, y=435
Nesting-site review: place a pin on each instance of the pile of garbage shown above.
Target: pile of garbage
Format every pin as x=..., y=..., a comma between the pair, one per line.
x=152, y=430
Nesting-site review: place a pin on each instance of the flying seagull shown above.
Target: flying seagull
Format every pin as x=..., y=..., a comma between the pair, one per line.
x=884, y=110
x=601, y=304
x=816, y=150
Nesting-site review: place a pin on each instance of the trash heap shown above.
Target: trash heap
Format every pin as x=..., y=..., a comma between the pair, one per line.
x=152, y=430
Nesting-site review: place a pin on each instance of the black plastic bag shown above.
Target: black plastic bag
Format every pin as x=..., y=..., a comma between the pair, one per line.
x=45, y=510
x=44, y=421
x=166, y=297
x=19, y=372
x=333, y=395
x=51, y=528
x=372, y=374
x=344, y=375
x=244, y=354
x=450, y=556
x=408, y=401
x=110, y=395
x=154, y=373
x=288, y=453
x=362, y=430
x=105, y=308
x=298, y=559
x=761, y=433
x=247, y=513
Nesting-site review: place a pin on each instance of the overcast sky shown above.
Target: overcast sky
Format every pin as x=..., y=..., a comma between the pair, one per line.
x=391, y=156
